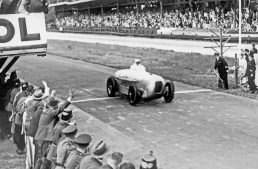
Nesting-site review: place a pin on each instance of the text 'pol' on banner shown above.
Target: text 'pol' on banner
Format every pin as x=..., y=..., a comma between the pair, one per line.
x=22, y=34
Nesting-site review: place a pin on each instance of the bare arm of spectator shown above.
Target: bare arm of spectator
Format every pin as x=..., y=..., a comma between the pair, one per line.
x=46, y=93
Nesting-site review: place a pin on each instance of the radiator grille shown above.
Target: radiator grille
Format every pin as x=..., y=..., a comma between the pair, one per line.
x=158, y=87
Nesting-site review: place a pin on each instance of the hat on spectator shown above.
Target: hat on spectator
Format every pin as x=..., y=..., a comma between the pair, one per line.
x=126, y=165
x=99, y=149
x=24, y=86
x=137, y=60
x=13, y=75
x=246, y=50
x=37, y=95
x=66, y=114
x=117, y=157
x=216, y=54
x=90, y=162
x=53, y=102
x=69, y=129
x=17, y=82
x=83, y=139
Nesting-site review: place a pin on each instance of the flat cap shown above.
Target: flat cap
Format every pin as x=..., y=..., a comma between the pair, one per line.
x=69, y=129
x=67, y=111
x=83, y=139
x=216, y=54
x=53, y=102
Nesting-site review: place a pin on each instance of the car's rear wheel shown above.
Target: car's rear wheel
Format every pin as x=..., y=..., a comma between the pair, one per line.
x=169, y=92
x=111, y=86
x=133, y=95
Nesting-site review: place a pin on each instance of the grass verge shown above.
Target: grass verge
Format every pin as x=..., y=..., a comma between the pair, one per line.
x=188, y=68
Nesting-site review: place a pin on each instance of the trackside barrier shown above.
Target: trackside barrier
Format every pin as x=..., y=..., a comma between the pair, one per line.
x=147, y=31
x=144, y=32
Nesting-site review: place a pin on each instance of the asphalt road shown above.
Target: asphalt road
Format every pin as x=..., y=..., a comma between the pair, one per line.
x=165, y=44
x=200, y=129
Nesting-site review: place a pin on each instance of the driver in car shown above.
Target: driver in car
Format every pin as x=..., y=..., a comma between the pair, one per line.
x=137, y=66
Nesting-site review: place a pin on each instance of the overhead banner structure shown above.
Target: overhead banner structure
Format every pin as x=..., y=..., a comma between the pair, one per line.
x=22, y=34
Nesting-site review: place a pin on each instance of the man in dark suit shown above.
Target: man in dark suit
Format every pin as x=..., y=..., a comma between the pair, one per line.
x=44, y=134
x=222, y=66
x=250, y=73
x=253, y=50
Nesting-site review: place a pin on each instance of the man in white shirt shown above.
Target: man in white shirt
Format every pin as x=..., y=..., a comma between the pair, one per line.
x=137, y=66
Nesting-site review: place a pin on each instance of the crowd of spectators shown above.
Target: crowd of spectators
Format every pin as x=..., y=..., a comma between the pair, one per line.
x=171, y=18
x=43, y=128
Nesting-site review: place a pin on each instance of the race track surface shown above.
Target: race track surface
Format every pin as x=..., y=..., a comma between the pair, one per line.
x=165, y=44
x=200, y=129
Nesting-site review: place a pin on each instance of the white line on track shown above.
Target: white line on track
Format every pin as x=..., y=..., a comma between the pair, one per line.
x=95, y=99
x=193, y=91
x=111, y=98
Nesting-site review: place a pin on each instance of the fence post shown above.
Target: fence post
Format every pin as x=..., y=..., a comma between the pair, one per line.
x=236, y=70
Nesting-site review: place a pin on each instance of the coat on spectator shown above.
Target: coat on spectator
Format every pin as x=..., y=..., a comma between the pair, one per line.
x=74, y=159
x=58, y=131
x=64, y=148
x=47, y=122
x=32, y=127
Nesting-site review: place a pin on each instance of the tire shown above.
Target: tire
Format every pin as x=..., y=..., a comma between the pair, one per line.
x=169, y=92
x=133, y=95
x=111, y=86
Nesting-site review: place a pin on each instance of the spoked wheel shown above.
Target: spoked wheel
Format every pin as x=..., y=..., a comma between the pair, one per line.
x=111, y=86
x=133, y=95
x=169, y=92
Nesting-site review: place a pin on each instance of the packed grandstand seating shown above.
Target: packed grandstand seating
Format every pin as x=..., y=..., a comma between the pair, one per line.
x=172, y=18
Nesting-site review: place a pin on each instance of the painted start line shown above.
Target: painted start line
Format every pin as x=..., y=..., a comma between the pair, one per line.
x=111, y=98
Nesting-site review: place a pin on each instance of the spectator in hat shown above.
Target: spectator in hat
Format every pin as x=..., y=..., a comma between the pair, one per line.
x=82, y=142
x=90, y=162
x=44, y=134
x=126, y=165
x=64, y=121
x=255, y=54
x=137, y=66
x=34, y=107
x=254, y=50
x=250, y=73
x=65, y=146
x=13, y=80
x=242, y=71
x=10, y=96
x=37, y=99
x=222, y=66
x=19, y=139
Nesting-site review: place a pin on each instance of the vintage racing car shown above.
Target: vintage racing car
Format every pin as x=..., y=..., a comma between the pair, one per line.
x=140, y=86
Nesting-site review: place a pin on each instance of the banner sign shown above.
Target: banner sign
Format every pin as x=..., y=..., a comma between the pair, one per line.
x=22, y=34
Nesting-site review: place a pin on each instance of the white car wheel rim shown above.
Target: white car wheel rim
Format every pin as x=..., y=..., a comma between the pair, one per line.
x=167, y=91
x=109, y=89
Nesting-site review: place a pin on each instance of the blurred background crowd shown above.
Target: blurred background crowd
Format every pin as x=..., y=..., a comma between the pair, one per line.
x=151, y=17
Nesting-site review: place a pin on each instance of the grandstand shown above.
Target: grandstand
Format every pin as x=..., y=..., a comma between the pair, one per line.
x=160, y=16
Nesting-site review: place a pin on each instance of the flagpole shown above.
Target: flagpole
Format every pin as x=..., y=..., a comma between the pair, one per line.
x=239, y=27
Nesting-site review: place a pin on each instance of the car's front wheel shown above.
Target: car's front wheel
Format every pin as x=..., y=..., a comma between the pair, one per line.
x=133, y=95
x=169, y=92
x=111, y=86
